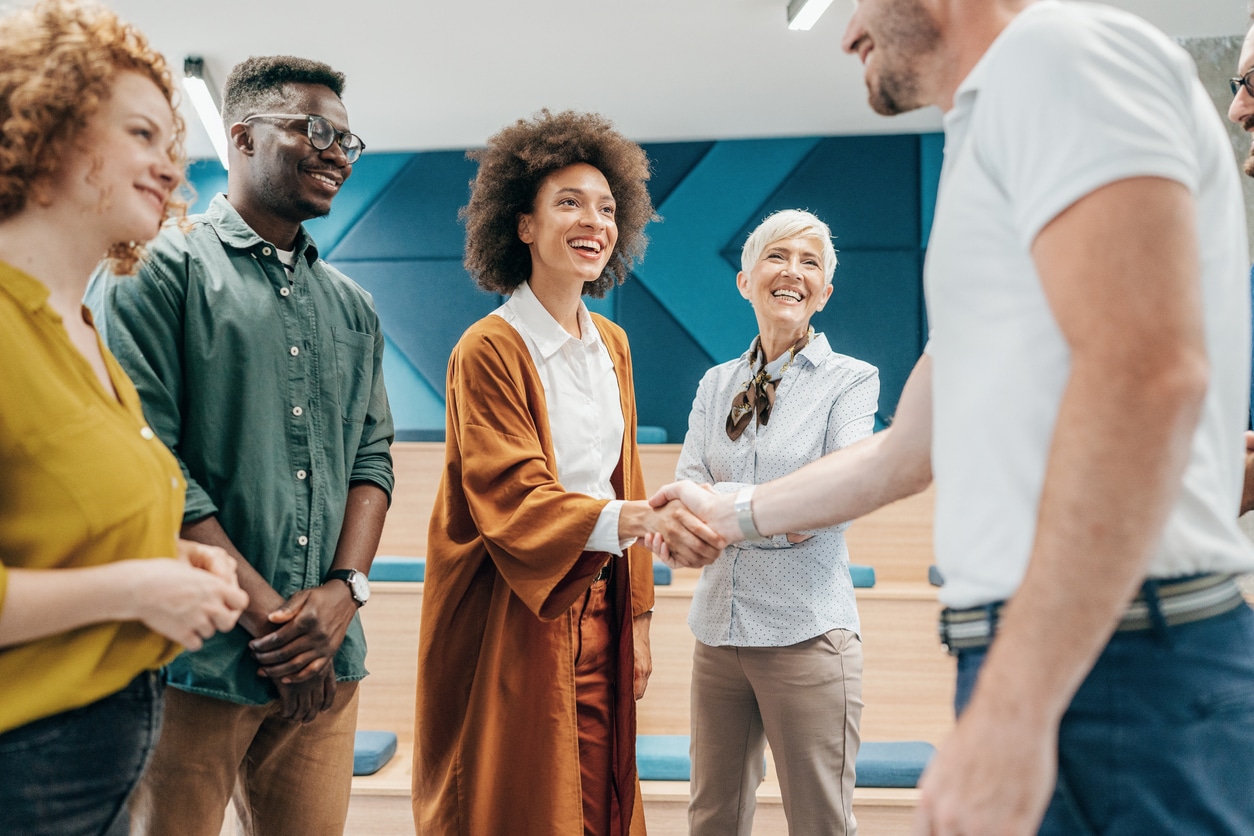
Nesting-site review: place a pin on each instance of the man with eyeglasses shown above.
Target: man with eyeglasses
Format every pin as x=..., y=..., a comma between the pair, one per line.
x=1079, y=405
x=1241, y=111
x=260, y=366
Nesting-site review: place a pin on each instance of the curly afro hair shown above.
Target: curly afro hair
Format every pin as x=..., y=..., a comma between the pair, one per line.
x=56, y=68
x=511, y=169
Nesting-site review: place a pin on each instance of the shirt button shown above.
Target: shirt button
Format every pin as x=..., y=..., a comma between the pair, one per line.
x=145, y=433
x=294, y=351
x=303, y=540
x=297, y=411
x=300, y=474
x=285, y=291
x=266, y=250
x=174, y=483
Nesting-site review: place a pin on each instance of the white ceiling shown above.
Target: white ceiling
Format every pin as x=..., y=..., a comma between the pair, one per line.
x=428, y=75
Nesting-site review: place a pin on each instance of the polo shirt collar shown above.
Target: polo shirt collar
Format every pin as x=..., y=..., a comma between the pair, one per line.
x=543, y=329
x=234, y=232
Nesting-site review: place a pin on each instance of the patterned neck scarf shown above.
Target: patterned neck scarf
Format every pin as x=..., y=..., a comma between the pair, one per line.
x=758, y=396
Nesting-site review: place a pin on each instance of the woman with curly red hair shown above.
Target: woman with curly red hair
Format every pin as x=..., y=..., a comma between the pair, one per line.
x=96, y=592
x=534, y=642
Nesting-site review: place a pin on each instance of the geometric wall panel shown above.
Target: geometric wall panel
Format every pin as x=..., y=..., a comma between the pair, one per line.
x=875, y=315
x=683, y=268
x=666, y=362
x=416, y=216
x=670, y=163
x=424, y=307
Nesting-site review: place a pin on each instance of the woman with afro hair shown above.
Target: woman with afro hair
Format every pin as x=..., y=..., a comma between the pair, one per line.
x=534, y=643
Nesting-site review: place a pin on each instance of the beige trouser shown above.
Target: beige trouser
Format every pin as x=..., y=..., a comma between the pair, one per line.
x=286, y=779
x=806, y=700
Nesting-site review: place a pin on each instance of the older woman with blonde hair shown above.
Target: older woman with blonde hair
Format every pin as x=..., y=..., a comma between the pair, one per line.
x=778, y=657
x=96, y=591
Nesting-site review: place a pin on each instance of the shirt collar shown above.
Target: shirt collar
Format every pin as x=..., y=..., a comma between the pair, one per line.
x=813, y=353
x=967, y=91
x=29, y=292
x=234, y=232
x=543, y=329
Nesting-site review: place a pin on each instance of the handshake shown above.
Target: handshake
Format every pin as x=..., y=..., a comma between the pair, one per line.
x=691, y=525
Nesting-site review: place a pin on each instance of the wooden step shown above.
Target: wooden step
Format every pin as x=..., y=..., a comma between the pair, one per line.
x=380, y=806
x=896, y=540
x=908, y=679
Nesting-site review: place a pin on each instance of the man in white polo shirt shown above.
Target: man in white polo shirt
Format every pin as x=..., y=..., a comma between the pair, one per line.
x=1080, y=407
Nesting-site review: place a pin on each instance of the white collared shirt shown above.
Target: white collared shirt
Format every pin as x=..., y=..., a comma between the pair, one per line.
x=585, y=410
x=1069, y=98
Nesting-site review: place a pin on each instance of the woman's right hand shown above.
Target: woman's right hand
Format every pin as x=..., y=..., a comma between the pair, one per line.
x=190, y=598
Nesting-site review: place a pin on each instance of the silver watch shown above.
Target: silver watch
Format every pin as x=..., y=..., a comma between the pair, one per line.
x=358, y=583
x=744, y=515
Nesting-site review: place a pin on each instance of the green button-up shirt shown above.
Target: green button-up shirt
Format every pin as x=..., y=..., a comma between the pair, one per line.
x=268, y=386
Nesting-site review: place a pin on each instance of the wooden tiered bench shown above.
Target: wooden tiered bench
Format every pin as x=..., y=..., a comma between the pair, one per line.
x=908, y=680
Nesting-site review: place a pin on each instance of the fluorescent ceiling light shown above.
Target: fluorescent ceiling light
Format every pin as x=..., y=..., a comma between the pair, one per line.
x=802, y=14
x=204, y=99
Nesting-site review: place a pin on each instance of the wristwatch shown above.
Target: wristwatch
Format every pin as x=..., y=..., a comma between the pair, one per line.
x=358, y=584
x=744, y=515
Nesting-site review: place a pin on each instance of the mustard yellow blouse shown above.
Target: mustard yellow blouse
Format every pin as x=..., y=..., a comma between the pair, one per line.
x=83, y=481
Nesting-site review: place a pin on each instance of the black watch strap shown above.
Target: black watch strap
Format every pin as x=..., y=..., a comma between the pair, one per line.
x=339, y=575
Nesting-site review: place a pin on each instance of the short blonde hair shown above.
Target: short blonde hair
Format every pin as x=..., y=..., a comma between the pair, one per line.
x=57, y=65
x=789, y=223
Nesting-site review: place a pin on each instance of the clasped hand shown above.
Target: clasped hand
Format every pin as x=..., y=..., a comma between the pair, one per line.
x=298, y=656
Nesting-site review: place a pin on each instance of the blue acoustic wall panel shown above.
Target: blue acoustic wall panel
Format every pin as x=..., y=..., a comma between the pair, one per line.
x=414, y=401
x=207, y=178
x=931, y=155
x=670, y=163
x=666, y=361
x=684, y=269
x=875, y=314
x=425, y=306
x=416, y=216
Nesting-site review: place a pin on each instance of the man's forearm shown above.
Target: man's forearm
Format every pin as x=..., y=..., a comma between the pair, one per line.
x=364, y=515
x=262, y=598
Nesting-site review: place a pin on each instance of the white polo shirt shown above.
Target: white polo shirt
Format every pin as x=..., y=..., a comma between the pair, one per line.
x=1069, y=98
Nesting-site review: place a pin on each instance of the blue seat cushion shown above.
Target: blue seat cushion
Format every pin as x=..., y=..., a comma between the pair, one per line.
x=897, y=763
x=661, y=573
x=664, y=757
x=371, y=750
x=863, y=576
x=388, y=567
x=646, y=434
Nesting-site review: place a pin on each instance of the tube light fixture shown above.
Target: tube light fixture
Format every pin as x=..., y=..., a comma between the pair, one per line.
x=803, y=14
x=205, y=99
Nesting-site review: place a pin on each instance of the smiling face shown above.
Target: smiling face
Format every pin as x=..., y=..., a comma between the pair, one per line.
x=1241, y=110
x=786, y=286
x=894, y=40
x=290, y=178
x=119, y=175
x=570, y=230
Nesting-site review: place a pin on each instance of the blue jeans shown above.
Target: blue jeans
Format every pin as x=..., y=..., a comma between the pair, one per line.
x=1159, y=739
x=73, y=772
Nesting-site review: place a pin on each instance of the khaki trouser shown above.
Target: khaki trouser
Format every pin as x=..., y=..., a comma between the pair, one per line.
x=286, y=779
x=806, y=700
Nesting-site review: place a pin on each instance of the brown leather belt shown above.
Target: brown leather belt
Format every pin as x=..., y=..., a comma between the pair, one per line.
x=604, y=574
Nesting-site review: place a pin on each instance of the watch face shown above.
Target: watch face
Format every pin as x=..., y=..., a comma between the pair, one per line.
x=360, y=586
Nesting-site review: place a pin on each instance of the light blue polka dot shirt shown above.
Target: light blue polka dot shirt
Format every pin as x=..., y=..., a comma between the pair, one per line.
x=774, y=594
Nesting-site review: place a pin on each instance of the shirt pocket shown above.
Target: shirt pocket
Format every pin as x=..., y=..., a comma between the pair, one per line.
x=354, y=365
x=98, y=468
